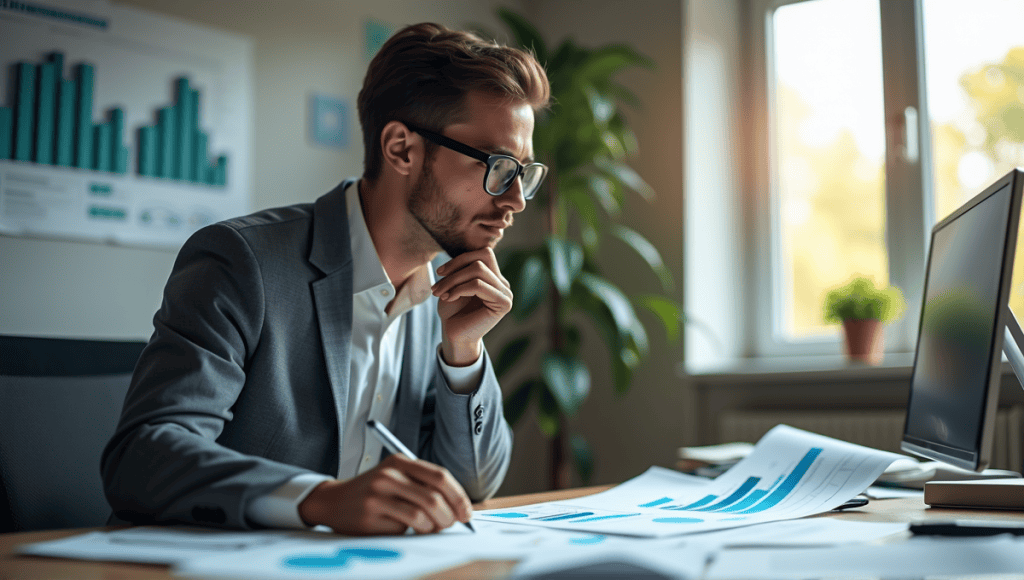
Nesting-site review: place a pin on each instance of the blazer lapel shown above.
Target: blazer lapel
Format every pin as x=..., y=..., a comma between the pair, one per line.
x=331, y=252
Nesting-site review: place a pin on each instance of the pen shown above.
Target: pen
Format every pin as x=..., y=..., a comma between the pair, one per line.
x=393, y=445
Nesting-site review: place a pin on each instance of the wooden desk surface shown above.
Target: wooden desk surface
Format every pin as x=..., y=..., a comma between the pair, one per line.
x=39, y=568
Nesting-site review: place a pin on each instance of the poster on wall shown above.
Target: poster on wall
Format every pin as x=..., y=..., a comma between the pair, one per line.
x=119, y=125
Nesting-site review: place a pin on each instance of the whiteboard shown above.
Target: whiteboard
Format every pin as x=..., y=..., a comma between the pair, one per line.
x=166, y=96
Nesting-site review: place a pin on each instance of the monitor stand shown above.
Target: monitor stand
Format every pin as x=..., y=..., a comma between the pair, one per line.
x=1007, y=494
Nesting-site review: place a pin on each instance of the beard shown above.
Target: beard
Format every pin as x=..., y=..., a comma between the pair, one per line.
x=438, y=216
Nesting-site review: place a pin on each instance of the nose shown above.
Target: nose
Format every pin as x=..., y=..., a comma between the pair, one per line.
x=513, y=199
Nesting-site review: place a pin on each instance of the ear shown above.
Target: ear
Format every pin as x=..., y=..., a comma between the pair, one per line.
x=403, y=149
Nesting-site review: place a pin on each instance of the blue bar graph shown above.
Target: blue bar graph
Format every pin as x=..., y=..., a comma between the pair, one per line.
x=612, y=517
x=788, y=484
x=561, y=517
x=734, y=496
x=49, y=121
x=700, y=502
x=655, y=503
x=753, y=498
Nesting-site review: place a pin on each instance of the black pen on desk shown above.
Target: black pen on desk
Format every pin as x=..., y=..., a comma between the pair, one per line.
x=393, y=445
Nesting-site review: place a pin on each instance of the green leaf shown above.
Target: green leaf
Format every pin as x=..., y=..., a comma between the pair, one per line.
x=621, y=353
x=607, y=193
x=628, y=177
x=568, y=380
x=670, y=313
x=526, y=34
x=528, y=276
x=549, y=418
x=648, y=252
x=583, y=457
x=515, y=405
x=510, y=354
x=626, y=321
x=566, y=258
x=601, y=107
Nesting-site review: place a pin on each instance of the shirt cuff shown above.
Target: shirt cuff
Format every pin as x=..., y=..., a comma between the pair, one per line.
x=462, y=380
x=280, y=508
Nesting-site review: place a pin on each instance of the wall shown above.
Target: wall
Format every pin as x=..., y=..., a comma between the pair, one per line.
x=644, y=427
x=60, y=288
x=87, y=290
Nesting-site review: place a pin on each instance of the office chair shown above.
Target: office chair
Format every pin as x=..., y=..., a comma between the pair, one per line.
x=60, y=401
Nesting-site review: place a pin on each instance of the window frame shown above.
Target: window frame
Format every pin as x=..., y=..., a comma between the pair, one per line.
x=908, y=205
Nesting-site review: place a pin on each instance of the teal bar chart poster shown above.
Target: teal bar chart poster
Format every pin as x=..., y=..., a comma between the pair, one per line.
x=119, y=125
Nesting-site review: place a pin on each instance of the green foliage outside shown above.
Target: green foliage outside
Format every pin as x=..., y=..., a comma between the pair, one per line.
x=584, y=139
x=859, y=299
x=844, y=191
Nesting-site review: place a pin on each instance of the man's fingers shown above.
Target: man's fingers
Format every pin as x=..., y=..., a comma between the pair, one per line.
x=474, y=271
x=440, y=480
x=408, y=485
x=485, y=255
x=492, y=297
x=406, y=515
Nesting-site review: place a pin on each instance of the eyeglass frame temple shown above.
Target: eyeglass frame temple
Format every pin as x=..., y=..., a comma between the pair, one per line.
x=475, y=154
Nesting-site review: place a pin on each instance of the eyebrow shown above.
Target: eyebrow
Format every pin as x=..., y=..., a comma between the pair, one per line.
x=495, y=150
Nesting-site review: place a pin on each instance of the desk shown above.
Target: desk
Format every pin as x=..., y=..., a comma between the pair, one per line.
x=39, y=568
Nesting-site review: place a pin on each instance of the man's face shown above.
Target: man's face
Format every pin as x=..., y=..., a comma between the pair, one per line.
x=448, y=199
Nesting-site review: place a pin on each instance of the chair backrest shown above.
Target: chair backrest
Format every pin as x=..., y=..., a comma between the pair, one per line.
x=60, y=401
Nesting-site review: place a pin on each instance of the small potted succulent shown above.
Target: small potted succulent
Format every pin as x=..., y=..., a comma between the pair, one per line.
x=863, y=308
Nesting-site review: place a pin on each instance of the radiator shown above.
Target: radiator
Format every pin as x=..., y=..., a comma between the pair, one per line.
x=877, y=429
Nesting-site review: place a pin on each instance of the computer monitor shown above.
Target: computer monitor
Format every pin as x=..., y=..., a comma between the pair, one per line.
x=965, y=325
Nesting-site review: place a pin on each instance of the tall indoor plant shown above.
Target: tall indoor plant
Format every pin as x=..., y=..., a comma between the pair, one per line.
x=583, y=139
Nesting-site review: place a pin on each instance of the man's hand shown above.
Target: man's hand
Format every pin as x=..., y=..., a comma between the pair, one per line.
x=474, y=296
x=399, y=493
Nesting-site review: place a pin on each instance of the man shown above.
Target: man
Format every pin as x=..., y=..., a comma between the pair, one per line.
x=281, y=333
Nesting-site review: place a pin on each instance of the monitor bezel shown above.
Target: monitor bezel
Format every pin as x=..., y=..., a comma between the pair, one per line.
x=976, y=459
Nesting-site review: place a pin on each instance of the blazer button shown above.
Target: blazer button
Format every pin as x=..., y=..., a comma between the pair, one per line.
x=478, y=428
x=479, y=412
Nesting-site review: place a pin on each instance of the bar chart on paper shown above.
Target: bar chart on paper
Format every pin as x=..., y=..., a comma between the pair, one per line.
x=120, y=125
x=790, y=474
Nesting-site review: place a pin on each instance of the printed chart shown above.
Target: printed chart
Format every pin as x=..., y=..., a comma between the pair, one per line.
x=120, y=125
x=790, y=474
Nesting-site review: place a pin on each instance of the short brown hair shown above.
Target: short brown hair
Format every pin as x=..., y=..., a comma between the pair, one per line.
x=422, y=74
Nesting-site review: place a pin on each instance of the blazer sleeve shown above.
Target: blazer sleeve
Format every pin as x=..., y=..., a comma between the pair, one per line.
x=467, y=433
x=163, y=463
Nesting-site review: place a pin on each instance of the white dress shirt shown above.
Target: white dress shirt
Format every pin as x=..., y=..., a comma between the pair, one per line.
x=378, y=346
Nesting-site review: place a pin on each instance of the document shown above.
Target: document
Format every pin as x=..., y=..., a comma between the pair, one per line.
x=789, y=474
x=915, y=558
x=155, y=545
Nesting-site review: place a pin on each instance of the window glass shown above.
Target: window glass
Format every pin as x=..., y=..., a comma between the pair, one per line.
x=828, y=155
x=974, y=76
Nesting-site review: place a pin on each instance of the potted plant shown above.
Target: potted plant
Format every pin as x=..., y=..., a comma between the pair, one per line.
x=863, y=308
x=584, y=140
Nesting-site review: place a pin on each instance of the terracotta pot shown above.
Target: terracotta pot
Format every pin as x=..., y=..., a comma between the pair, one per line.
x=864, y=340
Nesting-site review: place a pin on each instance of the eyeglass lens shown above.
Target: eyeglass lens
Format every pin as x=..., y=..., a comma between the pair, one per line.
x=503, y=171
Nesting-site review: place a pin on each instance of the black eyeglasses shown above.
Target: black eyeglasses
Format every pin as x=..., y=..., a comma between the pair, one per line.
x=502, y=170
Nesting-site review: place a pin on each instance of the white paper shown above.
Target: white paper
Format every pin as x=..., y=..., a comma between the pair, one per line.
x=682, y=563
x=802, y=532
x=394, y=557
x=915, y=558
x=155, y=545
x=790, y=474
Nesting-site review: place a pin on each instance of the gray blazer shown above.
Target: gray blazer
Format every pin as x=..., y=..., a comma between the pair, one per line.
x=244, y=383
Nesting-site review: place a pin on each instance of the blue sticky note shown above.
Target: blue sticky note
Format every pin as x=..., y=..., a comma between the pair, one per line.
x=376, y=34
x=329, y=121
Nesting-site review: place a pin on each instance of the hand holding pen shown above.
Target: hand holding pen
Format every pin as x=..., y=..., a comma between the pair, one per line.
x=395, y=446
x=398, y=494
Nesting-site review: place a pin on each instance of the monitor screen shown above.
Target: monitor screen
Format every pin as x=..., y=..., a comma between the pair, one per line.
x=955, y=381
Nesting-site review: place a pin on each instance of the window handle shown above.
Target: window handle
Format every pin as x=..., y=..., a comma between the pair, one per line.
x=910, y=149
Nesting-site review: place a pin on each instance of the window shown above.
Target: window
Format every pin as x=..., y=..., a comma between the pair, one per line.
x=874, y=119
